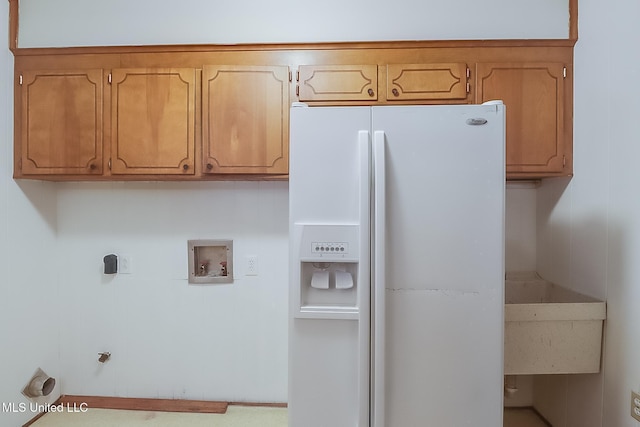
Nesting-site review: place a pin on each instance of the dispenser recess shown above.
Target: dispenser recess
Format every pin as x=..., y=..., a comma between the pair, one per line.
x=327, y=282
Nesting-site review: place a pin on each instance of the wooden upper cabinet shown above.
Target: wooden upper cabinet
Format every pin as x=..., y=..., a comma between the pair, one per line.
x=245, y=119
x=427, y=81
x=153, y=121
x=534, y=96
x=337, y=83
x=60, y=123
x=176, y=114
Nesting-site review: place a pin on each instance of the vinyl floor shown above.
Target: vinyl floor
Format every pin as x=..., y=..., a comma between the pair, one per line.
x=523, y=417
x=236, y=416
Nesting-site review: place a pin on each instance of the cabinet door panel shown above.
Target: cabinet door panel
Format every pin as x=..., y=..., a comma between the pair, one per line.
x=153, y=121
x=61, y=122
x=534, y=96
x=426, y=81
x=338, y=83
x=246, y=119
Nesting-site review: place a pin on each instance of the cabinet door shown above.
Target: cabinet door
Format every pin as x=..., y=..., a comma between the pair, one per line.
x=61, y=123
x=426, y=81
x=245, y=119
x=338, y=82
x=153, y=121
x=534, y=96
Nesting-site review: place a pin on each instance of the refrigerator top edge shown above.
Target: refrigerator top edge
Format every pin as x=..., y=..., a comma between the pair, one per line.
x=489, y=105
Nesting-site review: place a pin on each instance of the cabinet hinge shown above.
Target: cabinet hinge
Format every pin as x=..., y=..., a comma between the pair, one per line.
x=564, y=72
x=20, y=80
x=109, y=78
x=468, y=72
x=468, y=87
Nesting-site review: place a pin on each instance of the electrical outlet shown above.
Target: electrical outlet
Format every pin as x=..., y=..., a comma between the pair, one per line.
x=635, y=405
x=125, y=264
x=252, y=265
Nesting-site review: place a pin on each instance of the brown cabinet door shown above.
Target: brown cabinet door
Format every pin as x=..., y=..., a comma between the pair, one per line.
x=338, y=83
x=245, y=119
x=426, y=81
x=153, y=121
x=534, y=96
x=61, y=123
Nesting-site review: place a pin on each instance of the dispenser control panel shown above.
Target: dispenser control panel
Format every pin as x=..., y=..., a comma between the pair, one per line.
x=327, y=242
x=330, y=247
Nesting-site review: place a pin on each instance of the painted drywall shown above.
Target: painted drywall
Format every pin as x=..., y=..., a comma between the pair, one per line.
x=589, y=226
x=170, y=339
x=28, y=273
x=125, y=22
x=520, y=226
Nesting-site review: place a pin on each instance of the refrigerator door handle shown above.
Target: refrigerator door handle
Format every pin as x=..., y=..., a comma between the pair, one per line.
x=364, y=293
x=364, y=142
x=378, y=280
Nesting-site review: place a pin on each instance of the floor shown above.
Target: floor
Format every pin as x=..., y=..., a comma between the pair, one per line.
x=236, y=416
x=523, y=417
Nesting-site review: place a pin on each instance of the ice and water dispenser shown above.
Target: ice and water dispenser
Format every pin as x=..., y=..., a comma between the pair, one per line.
x=328, y=259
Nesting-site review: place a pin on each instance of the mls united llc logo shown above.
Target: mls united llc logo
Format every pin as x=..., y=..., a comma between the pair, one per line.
x=36, y=408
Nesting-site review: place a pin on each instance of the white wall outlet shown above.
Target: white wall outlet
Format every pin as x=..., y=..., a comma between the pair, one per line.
x=125, y=265
x=635, y=405
x=252, y=265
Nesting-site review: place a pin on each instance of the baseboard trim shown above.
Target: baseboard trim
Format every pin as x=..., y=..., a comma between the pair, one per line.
x=34, y=419
x=267, y=405
x=40, y=415
x=142, y=404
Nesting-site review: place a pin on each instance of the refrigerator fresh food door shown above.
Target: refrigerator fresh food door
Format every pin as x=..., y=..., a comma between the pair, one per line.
x=438, y=357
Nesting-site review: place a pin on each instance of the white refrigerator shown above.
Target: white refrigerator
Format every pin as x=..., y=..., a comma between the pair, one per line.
x=396, y=266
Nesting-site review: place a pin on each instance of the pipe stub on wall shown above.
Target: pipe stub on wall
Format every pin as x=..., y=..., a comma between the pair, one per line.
x=40, y=384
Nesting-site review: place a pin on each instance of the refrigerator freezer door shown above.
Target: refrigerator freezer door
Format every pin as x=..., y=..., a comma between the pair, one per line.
x=324, y=174
x=329, y=182
x=443, y=267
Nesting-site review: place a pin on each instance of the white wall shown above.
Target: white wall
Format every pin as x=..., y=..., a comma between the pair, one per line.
x=169, y=339
x=520, y=226
x=29, y=313
x=590, y=226
x=125, y=22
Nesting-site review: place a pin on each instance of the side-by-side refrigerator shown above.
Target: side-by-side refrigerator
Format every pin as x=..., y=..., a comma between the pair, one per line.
x=396, y=266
